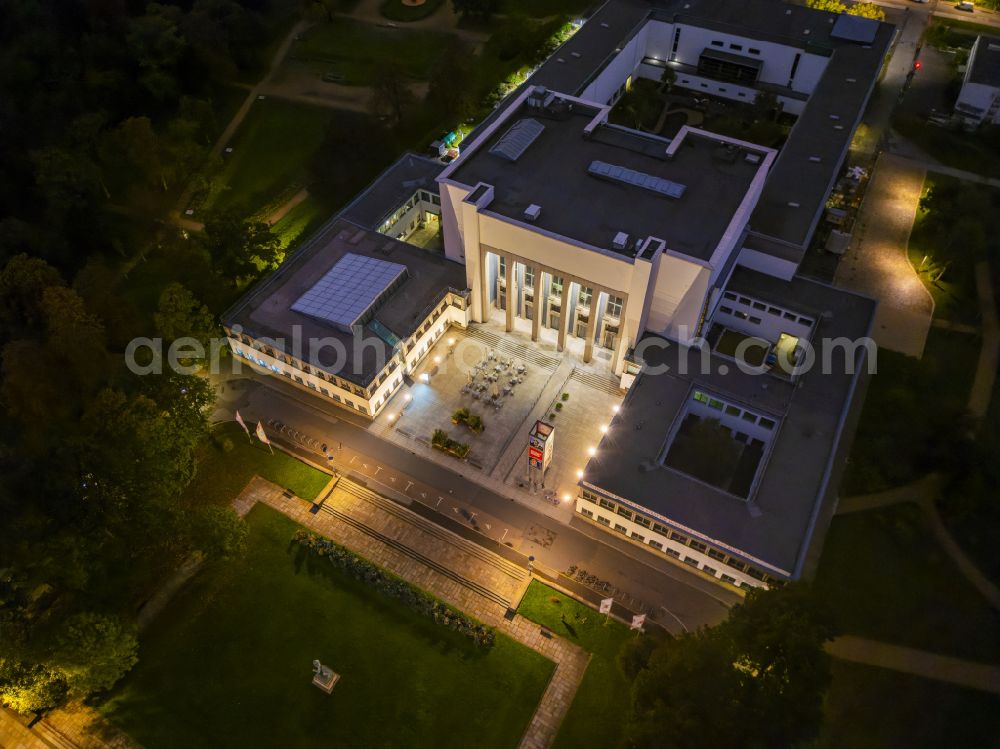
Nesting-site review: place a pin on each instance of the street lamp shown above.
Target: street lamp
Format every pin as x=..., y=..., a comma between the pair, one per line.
x=604, y=428
x=592, y=451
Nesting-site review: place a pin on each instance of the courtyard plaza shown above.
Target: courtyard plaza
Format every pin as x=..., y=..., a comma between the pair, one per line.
x=510, y=382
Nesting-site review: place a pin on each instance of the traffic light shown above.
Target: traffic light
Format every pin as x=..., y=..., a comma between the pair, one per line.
x=916, y=64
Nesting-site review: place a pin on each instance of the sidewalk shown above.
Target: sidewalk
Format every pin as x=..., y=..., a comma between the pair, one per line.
x=917, y=662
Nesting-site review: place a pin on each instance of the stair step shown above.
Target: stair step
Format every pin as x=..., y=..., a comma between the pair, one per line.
x=596, y=381
x=470, y=547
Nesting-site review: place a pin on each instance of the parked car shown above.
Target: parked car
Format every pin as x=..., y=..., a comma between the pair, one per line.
x=967, y=6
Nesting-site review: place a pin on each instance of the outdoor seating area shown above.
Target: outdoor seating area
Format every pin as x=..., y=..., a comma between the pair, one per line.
x=494, y=378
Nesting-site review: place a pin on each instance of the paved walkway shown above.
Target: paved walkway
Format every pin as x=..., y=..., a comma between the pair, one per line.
x=876, y=264
x=917, y=662
x=244, y=109
x=923, y=492
x=461, y=573
x=986, y=370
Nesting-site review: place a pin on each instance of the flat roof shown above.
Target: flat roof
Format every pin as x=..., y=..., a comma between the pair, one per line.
x=775, y=526
x=618, y=175
x=811, y=157
x=984, y=67
x=393, y=187
x=268, y=311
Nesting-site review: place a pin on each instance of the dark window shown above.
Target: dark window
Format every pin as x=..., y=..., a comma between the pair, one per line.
x=678, y=537
x=737, y=47
x=716, y=554
x=753, y=51
x=709, y=570
x=728, y=578
x=606, y=504
x=673, y=552
x=716, y=43
x=625, y=513
x=691, y=560
x=656, y=545
x=640, y=520
x=698, y=545
x=637, y=537
x=727, y=310
x=620, y=528
x=586, y=513
x=603, y=520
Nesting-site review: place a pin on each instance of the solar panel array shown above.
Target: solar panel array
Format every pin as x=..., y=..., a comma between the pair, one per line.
x=348, y=289
x=637, y=179
x=516, y=140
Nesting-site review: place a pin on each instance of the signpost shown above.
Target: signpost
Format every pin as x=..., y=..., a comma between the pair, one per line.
x=541, y=441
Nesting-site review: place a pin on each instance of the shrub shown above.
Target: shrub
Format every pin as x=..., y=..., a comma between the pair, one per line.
x=565, y=396
x=552, y=415
x=559, y=406
x=388, y=584
x=475, y=423
x=461, y=416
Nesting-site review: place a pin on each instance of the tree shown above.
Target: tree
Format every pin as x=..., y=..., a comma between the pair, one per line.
x=863, y=9
x=668, y=77
x=180, y=315
x=22, y=281
x=29, y=687
x=391, y=95
x=94, y=651
x=452, y=83
x=756, y=680
x=240, y=248
x=219, y=532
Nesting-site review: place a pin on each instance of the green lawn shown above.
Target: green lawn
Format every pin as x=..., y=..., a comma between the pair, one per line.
x=885, y=577
x=302, y=220
x=913, y=409
x=873, y=708
x=271, y=152
x=223, y=473
x=972, y=152
x=353, y=50
x=597, y=715
x=228, y=664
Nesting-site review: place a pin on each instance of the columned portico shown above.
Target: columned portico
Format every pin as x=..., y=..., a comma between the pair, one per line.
x=538, y=297
x=564, y=313
x=588, y=341
x=511, y=279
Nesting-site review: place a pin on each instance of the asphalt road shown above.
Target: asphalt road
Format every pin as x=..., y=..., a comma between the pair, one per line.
x=679, y=598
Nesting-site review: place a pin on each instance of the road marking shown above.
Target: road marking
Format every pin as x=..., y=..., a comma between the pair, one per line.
x=377, y=469
x=408, y=485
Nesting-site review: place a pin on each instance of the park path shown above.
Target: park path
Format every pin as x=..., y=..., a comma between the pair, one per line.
x=244, y=109
x=876, y=263
x=922, y=493
x=944, y=668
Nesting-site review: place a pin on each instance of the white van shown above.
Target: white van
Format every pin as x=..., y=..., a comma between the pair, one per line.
x=966, y=5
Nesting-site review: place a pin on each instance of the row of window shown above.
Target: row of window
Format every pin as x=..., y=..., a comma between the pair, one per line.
x=674, y=536
x=735, y=47
x=768, y=308
x=733, y=410
x=720, y=89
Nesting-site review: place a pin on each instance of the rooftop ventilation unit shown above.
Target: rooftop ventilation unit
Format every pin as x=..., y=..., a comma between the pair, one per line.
x=532, y=212
x=752, y=158
x=625, y=176
x=815, y=159
x=620, y=242
x=516, y=140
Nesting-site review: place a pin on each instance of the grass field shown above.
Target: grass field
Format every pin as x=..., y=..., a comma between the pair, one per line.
x=271, y=153
x=597, y=715
x=229, y=664
x=222, y=473
x=873, y=708
x=912, y=410
x=885, y=577
x=353, y=50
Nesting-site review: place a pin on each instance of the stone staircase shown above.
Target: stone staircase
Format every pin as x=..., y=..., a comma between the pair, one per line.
x=508, y=346
x=599, y=382
x=517, y=578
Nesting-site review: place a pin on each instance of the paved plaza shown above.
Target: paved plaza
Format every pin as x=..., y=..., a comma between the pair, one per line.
x=530, y=379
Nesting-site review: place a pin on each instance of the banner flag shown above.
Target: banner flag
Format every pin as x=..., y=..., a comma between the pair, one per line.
x=606, y=605
x=638, y=620
x=239, y=420
x=261, y=435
